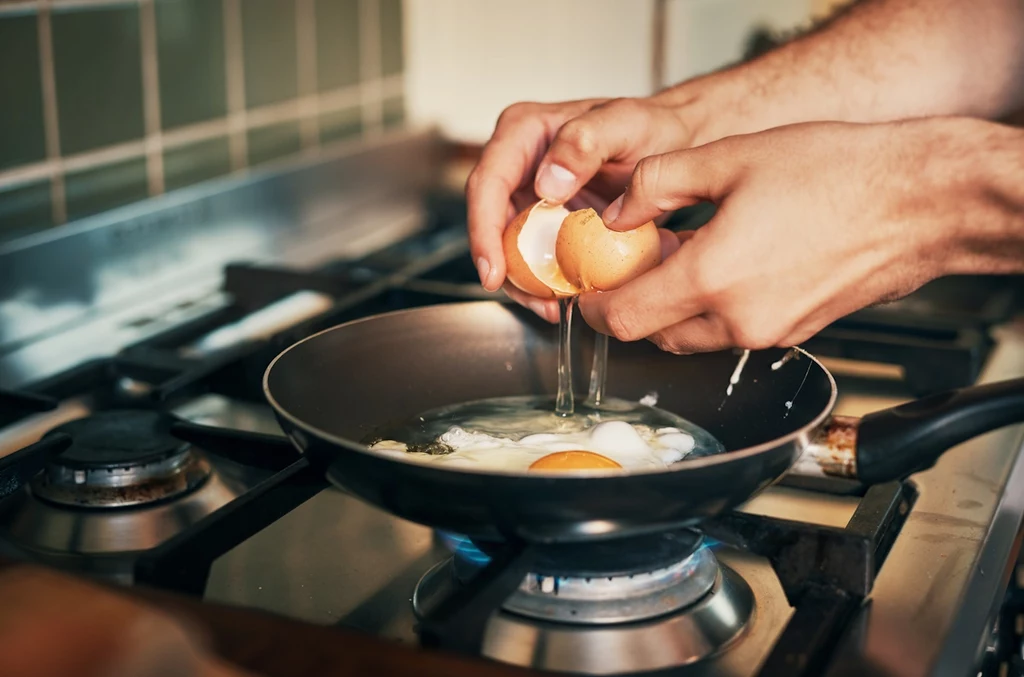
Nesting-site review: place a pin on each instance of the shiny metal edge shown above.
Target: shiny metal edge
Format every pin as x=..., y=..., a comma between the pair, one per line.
x=80, y=291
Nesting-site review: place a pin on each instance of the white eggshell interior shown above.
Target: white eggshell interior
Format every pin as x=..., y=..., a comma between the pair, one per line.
x=537, y=244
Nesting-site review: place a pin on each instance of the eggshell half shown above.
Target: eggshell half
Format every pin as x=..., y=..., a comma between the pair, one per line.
x=594, y=258
x=529, y=243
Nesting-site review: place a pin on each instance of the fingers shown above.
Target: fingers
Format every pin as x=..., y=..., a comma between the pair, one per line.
x=671, y=241
x=548, y=308
x=505, y=160
x=655, y=300
x=545, y=308
x=606, y=132
x=662, y=183
x=701, y=334
x=506, y=165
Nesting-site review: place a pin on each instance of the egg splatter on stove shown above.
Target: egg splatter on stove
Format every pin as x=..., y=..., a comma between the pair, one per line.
x=604, y=446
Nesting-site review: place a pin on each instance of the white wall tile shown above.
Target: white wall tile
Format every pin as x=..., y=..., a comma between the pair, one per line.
x=469, y=59
x=704, y=35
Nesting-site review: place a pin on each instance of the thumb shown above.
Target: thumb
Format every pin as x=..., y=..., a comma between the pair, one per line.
x=662, y=183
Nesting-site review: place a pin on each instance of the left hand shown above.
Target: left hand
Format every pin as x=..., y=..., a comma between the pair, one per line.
x=814, y=221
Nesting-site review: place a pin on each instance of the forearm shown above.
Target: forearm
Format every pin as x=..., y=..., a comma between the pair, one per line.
x=879, y=60
x=979, y=166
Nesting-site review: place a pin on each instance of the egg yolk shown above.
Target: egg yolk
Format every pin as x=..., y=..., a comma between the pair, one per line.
x=573, y=460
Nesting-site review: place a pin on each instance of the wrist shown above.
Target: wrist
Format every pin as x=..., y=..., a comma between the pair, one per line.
x=973, y=171
x=730, y=102
x=701, y=105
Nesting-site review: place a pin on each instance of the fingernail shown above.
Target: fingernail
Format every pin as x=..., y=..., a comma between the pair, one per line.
x=555, y=182
x=483, y=269
x=613, y=211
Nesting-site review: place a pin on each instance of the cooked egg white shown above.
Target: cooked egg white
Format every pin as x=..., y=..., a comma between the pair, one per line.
x=601, y=446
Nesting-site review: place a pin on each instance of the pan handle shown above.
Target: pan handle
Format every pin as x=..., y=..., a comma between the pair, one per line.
x=895, y=443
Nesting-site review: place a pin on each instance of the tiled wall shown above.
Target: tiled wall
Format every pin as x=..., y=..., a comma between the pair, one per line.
x=105, y=102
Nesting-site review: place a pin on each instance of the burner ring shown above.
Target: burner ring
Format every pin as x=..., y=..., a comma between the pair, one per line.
x=124, y=487
x=616, y=599
x=588, y=601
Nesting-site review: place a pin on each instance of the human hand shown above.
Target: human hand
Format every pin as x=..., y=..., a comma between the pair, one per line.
x=814, y=221
x=581, y=153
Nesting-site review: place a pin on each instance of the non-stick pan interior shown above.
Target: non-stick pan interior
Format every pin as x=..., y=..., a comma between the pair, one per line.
x=349, y=381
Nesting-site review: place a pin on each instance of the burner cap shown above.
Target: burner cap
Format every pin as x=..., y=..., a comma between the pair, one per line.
x=119, y=439
x=609, y=558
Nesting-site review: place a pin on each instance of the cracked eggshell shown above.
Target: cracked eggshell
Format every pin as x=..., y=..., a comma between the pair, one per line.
x=594, y=258
x=529, y=244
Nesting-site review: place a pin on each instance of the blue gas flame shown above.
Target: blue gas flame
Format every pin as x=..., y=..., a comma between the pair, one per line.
x=463, y=548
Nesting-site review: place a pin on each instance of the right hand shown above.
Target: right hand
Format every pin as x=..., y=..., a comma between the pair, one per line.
x=578, y=153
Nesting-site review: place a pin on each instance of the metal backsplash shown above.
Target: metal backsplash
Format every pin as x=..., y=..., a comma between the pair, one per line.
x=143, y=263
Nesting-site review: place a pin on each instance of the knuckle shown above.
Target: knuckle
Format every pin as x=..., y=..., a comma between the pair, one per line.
x=707, y=279
x=624, y=106
x=668, y=344
x=645, y=179
x=513, y=113
x=476, y=181
x=620, y=324
x=749, y=334
x=473, y=180
x=579, y=135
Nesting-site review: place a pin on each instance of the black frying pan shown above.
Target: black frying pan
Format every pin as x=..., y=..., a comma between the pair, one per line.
x=335, y=388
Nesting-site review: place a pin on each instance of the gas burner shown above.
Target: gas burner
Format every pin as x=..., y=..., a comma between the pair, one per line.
x=119, y=459
x=124, y=486
x=566, y=620
x=602, y=582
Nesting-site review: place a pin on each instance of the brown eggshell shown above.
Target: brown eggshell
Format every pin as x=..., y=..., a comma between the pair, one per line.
x=520, y=269
x=595, y=258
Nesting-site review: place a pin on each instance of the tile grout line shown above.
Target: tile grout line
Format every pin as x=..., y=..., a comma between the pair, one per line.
x=234, y=64
x=51, y=121
x=151, y=97
x=336, y=100
x=370, y=66
x=659, y=29
x=305, y=35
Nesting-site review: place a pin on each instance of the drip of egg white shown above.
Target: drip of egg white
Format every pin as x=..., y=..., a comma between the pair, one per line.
x=737, y=373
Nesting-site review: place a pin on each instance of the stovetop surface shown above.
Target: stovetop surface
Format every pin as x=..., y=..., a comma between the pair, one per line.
x=336, y=561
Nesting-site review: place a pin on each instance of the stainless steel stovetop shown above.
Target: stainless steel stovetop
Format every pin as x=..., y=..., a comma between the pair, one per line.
x=935, y=604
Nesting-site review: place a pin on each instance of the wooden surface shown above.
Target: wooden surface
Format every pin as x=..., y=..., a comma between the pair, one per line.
x=54, y=624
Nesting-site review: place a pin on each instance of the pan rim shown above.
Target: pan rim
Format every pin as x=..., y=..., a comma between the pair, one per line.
x=683, y=465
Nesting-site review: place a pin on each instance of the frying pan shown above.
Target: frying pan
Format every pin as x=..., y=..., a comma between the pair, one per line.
x=335, y=388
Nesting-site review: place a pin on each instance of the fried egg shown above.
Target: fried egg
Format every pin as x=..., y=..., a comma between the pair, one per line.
x=606, y=445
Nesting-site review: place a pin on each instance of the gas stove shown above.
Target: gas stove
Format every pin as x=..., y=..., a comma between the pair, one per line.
x=135, y=446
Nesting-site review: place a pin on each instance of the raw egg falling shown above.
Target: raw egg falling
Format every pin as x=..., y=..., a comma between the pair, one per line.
x=553, y=252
